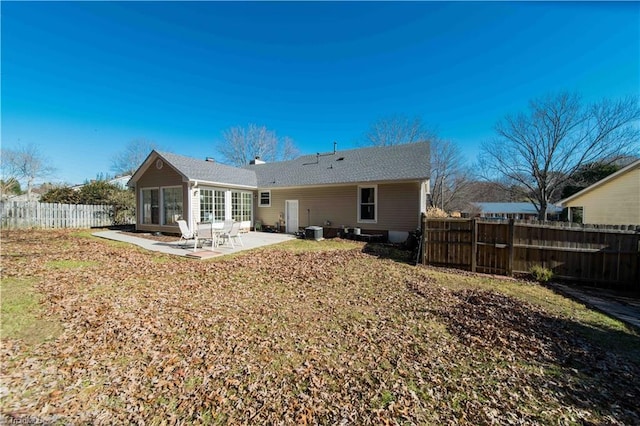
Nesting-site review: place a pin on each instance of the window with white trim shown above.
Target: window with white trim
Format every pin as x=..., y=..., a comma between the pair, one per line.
x=206, y=205
x=247, y=204
x=150, y=206
x=219, y=206
x=241, y=204
x=172, y=205
x=367, y=204
x=265, y=198
x=212, y=205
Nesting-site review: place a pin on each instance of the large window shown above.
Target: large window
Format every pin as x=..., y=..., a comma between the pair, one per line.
x=247, y=202
x=236, y=206
x=215, y=202
x=367, y=208
x=206, y=205
x=151, y=206
x=219, y=206
x=212, y=205
x=241, y=204
x=172, y=205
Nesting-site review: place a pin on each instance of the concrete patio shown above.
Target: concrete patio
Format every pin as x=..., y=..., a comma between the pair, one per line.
x=250, y=240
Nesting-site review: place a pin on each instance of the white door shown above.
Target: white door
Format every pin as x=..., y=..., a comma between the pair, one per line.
x=291, y=216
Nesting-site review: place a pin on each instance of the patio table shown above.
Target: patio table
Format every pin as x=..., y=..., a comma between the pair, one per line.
x=212, y=231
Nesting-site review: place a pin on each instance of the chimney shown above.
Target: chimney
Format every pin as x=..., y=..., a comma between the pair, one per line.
x=256, y=160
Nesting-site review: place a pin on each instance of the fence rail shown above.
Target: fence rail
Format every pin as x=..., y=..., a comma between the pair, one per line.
x=33, y=214
x=602, y=256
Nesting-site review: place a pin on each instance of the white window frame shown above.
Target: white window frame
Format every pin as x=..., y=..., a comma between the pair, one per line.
x=268, y=191
x=243, y=204
x=215, y=212
x=163, y=218
x=142, y=212
x=375, y=204
x=224, y=198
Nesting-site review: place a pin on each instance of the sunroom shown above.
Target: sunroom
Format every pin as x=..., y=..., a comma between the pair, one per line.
x=163, y=206
x=170, y=187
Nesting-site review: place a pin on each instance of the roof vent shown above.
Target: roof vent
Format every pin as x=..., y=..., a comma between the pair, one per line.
x=340, y=159
x=256, y=160
x=210, y=159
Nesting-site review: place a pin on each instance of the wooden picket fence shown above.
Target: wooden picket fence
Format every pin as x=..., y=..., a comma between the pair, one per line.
x=602, y=256
x=33, y=214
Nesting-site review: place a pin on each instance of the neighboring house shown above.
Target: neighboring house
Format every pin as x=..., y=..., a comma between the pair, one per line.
x=614, y=200
x=523, y=211
x=381, y=190
x=120, y=181
x=35, y=196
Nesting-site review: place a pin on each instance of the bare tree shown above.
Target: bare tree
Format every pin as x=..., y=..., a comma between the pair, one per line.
x=242, y=144
x=398, y=129
x=26, y=164
x=289, y=149
x=491, y=191
x=539, y=150
x=450, y=176
x=449, y=173
x=128, y=161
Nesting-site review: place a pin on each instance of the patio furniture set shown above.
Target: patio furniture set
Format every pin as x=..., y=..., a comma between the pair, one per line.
x=218, y=232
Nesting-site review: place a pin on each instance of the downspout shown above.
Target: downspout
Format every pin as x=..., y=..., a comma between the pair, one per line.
x=422, y=207
x=193, y=193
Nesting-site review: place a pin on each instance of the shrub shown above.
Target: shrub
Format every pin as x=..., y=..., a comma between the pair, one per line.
x=541, y=274
x=435, y=212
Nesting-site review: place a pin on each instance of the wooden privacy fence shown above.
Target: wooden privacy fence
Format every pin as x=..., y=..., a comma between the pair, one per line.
x=600, y=256
x=32, y=214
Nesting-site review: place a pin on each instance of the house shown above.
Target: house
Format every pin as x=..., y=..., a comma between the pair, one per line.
x=613, y=200
x=524, y=211
x=381, y=190
x=35, y=196
x=120, y=182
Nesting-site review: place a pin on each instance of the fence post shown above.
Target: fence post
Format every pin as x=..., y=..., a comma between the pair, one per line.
x=511, y=248
x=423, y=223
x=474, y=244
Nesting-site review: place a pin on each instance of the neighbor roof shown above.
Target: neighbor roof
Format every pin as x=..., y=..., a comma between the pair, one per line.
x=514, y=208
x=389, y=163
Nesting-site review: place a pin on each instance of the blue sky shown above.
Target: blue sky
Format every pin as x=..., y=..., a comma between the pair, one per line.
x=80, y=80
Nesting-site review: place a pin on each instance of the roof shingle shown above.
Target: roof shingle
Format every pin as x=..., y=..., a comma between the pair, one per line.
x=390, y=163
x=373, y=164
x=209, y=171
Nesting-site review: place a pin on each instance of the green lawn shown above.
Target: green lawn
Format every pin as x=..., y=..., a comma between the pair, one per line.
x=302, y=332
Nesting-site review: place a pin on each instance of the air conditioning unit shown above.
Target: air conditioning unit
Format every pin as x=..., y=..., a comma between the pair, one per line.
x=313, y=233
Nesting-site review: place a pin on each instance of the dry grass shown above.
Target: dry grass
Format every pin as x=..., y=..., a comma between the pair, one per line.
x=302, y=332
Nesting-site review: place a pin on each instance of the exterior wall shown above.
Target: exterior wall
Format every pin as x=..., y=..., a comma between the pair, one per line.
x=154, y=178
x=398, y=207
x=616, y=202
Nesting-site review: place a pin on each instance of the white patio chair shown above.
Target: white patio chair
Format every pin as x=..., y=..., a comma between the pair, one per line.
x=226, y=226
x=233, y=234
x=187, y=234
